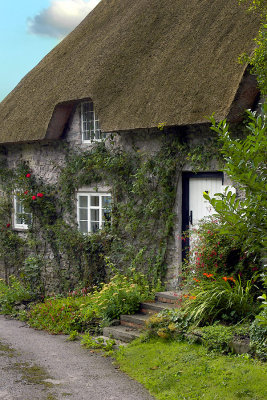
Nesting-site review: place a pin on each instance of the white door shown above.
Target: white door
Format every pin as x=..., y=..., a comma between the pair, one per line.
x=199, y=207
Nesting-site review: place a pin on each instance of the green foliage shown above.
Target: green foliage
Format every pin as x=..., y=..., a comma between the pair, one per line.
x=100, y=343
x=258, y=335
x=74, y=335
x=12, y=294
x=167, y=324
x=224, y=299
x=57, y=315
x=85, y=311
x=215, y=337
x=220, y=337
x=12, y=247
x=178, y=371
x=122, y=295
x=244, y=219
x=258, y=60
x=143, y=193
x=215, y=252
x=31, y=275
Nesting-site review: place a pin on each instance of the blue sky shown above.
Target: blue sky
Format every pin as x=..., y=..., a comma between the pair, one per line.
x=29, y=29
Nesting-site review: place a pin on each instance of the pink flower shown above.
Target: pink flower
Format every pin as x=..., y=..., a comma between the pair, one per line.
x=40, y=195
x=28, y=175
x=34, y=197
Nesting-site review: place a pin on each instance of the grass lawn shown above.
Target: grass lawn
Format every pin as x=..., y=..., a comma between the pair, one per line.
x=178, y=370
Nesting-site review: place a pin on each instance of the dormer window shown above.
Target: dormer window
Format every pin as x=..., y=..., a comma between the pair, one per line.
x=90, y=126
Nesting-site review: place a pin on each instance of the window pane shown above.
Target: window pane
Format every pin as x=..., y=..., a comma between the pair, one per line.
x=106, y=215
x=83, y=214
x=94, y=215
x=94, y=226
x=19, y=206
x=94, y=201
x=83, y=226
x=19, y=219
x=83, y=201
x=106, y=201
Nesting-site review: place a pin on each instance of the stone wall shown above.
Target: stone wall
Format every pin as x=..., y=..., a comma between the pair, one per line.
x=46, y=158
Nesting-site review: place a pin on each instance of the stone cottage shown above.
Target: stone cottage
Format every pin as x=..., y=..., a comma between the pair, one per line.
x=145, y=71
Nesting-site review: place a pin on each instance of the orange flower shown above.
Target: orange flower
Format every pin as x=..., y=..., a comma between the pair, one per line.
x=231, y=279
x=225, y=278
x=192, y=297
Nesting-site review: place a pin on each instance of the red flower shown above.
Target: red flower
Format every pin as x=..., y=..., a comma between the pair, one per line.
x=28, y=175
x=40, y=195
x=7, y=225
x=26, y=192
x=34, y=197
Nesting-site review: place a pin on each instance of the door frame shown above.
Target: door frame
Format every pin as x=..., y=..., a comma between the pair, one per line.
x=185, y=201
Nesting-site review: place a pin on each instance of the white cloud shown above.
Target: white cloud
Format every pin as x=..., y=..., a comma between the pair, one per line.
x=61, y=17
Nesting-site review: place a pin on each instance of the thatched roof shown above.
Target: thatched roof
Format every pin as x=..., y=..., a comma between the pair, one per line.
x=142, y=62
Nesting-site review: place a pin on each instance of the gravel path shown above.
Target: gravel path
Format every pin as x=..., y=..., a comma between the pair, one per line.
x=37, y=366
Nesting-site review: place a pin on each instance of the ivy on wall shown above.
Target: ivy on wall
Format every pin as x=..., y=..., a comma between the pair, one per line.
x=143, y=188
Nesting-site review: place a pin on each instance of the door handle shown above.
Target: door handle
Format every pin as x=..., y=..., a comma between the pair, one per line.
x=191, y=217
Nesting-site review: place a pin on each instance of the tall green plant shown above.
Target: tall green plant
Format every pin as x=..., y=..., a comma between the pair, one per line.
x=245, y=163
x=222, y=299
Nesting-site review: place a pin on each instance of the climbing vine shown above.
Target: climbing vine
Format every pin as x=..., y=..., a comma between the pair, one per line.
x=143, y=189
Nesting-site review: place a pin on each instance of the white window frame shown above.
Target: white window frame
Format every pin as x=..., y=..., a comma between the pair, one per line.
x=18, y=204
x=90, y=134
x=101, y=221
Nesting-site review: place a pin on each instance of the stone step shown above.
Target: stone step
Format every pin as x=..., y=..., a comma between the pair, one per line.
x=156, y=307
x=136, y=321
x=122, y=333
x=169, y=297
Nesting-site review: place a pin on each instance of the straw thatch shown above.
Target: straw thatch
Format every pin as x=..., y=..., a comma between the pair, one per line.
x=142, y=62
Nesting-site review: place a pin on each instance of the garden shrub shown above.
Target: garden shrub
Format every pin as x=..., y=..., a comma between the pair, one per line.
x=85, y=311
x=12, y=294
x=31, y=275
x=58, y=315
x=258, y=331
x=122, y=295
x=220, y=337
x=97, y=343
x=217, y=253
x=167, y=324
x=214, y=337
x=224, y=298
x=258, y=337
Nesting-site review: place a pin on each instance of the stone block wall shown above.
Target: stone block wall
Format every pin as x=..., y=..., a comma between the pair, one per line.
x=46, y=158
